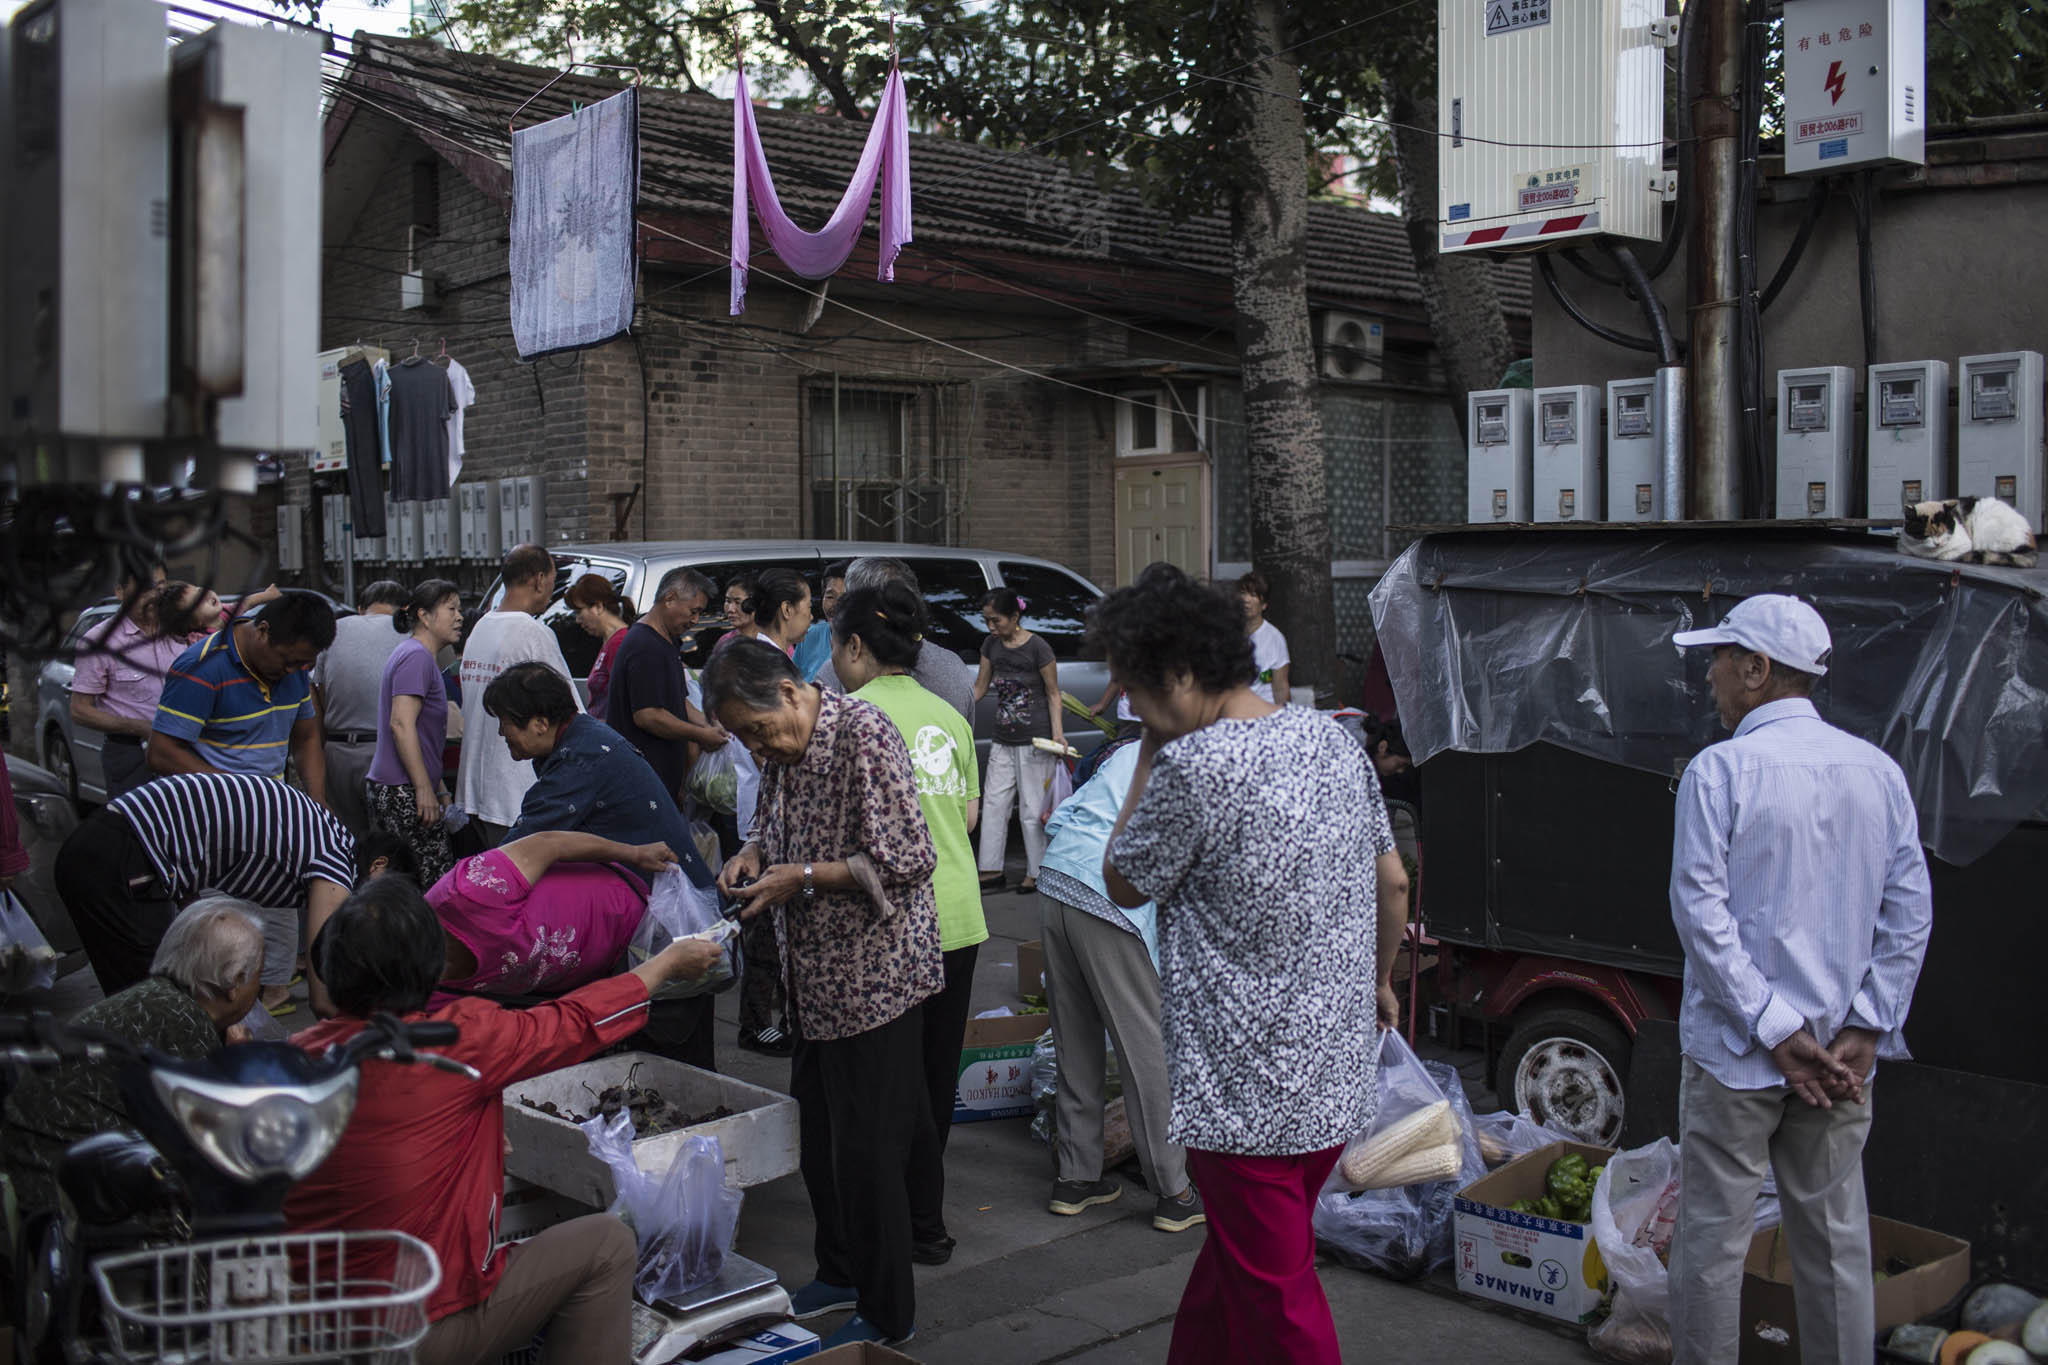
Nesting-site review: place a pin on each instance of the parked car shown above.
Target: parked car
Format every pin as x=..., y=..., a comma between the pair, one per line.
x=72, y=751
x=954, y=581
x=44, y=811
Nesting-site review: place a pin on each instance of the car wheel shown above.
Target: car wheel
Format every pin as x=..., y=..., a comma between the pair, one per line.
x=57, y=758
x=1564, y=1068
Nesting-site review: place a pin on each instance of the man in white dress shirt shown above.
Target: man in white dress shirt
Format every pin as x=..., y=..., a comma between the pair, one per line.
x=1801, y=898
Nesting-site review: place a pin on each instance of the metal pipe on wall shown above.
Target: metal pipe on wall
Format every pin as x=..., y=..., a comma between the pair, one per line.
x=1714, y=485
x=1670, y=401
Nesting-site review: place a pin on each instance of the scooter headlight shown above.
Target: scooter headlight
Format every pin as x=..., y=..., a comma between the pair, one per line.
x=257, y=1132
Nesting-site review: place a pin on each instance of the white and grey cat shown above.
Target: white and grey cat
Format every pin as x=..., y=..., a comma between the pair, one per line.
x=1973, y=530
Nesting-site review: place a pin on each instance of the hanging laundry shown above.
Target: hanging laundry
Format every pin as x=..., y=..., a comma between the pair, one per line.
x=422, y=401
x=818, y=255
x=382, y=370
x=575, y=252
x=465, y=396
x=360, y=412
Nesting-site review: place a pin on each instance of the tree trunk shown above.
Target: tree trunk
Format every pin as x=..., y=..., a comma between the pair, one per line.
x=1465, y=317
x=1290, y=509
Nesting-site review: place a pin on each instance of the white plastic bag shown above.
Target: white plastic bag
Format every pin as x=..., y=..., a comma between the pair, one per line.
x=685, y=1220
x=1406, y=1087
x=1405, y=1233
x=27, y=962
x=715, y=780
x=679, y=908
x=1058, y=788
x=1504, y=1136
x=1635, y=1211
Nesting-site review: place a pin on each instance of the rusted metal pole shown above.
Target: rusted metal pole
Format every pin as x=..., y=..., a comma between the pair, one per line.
x=1714, y=482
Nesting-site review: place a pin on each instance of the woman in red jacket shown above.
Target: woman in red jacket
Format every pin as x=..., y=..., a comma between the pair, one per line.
x=425, y=1150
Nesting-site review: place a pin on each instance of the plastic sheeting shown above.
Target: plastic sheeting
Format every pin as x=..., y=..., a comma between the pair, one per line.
x=1496, y=640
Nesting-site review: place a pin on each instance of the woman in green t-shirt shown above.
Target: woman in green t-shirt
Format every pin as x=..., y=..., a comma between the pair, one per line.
x=876, y=634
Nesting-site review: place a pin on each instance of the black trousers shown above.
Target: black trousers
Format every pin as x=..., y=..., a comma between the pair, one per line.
x=859, y=1102
x=116, y=901
x=945, y=1023
x=680, y=1030
x=365, y=452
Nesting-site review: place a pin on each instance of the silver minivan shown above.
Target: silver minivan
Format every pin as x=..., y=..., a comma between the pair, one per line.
x=953, y=580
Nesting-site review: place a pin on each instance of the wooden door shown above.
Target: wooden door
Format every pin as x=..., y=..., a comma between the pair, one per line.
x=1162, y=513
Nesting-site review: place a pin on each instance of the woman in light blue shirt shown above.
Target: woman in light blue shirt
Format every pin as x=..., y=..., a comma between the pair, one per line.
x=1101, y=971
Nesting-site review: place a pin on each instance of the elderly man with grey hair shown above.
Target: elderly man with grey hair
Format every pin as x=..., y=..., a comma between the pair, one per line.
x=939, y=670
x=202, y=983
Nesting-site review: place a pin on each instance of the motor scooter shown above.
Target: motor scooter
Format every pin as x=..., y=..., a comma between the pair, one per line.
x=170, y=1244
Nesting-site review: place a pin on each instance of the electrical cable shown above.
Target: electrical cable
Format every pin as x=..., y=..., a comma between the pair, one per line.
x=1866, y=277
x=1749, y=347
x=1547, y=270
x=1816, y=206
x=1646, y=296
x=1688, y=35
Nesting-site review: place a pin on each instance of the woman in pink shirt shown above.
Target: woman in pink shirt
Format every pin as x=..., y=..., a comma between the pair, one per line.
x=118, y=680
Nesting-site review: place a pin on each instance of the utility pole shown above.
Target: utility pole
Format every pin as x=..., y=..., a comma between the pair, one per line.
x=1713, y=479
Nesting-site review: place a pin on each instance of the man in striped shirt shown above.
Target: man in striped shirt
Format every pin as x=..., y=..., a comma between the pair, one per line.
x=126, y=872
x=1800, y=895
x=237, y=700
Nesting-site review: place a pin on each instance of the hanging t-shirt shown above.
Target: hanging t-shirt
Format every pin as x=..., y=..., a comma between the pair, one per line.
x=465, y=396
x=422, y=401
x=942, y=761
x=1021, y=714
x=1269, y=655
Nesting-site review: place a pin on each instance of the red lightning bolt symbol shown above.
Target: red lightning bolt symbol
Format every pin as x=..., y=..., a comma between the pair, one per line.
x=1835, y=83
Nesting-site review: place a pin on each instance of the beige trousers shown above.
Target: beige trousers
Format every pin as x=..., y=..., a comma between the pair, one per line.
x=1727, y=1139
x=575, y=1280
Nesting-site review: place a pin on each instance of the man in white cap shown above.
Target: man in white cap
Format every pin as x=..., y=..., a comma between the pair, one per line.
x=1801, y=898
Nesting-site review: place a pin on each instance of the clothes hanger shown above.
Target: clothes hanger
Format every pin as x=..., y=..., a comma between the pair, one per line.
x=444, y=357
x=512, y=124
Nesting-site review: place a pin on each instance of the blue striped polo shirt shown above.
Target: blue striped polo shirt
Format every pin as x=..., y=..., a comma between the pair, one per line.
x=232, y=718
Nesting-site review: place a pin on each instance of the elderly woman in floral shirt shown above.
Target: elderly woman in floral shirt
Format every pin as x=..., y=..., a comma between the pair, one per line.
x=843, y=857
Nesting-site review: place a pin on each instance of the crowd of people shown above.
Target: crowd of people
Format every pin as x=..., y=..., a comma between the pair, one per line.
x=1220, y=897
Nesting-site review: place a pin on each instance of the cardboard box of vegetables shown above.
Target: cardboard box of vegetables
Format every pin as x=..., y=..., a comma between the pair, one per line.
x=1522, y=1235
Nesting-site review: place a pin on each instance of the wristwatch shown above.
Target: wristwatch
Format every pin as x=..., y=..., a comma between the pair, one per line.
x=810, y=887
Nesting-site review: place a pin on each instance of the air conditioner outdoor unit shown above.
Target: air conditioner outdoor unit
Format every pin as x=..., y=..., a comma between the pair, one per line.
x=1352, y=346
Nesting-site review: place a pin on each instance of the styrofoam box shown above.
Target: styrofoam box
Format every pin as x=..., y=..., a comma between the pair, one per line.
x=759, y=1140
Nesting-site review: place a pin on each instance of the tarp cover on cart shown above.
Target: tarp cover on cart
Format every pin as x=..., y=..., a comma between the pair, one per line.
x=1498, y=638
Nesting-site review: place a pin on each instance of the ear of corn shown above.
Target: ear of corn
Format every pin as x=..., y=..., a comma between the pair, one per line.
x=1420, y=1168
x=1366, y=1165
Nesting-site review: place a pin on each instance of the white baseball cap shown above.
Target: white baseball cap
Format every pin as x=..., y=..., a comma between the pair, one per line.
x=1780, y=628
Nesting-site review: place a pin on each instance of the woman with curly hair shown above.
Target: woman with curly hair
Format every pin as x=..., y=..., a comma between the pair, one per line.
x=1260, y=832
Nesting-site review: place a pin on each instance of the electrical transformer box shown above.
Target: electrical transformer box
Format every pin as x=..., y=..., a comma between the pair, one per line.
x=1550, y=121
x=480, y=525
x=522, y=510
x=1906, y=414
x=1855, y=83
x=1635, y=479
x=333, y=516
x=1567, y=476
x=1817, y=444
x=1998, y=432
x=1497, y=468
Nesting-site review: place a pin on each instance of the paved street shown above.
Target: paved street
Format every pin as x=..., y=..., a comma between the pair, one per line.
x=1027, y=1286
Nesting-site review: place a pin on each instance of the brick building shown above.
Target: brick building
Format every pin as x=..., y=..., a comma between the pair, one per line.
x=1049, y=357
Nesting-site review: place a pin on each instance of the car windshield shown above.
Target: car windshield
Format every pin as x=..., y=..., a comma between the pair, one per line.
x=1056, y=606
x=579, y=646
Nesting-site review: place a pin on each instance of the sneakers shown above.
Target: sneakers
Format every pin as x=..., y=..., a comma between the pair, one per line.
x=817, y=1298
x=859, y=1329
x=933, y=1253
x=1178, y=1215
x=1077, y=1196
x=769, y=1042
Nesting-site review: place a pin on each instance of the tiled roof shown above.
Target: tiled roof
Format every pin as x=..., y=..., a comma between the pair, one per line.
x=965, y=196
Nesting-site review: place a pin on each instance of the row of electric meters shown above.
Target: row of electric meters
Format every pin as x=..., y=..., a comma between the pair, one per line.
x=1537, y=454
x=477, y=521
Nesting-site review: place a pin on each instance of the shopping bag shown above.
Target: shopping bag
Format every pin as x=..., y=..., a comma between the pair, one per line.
x=684, y=1220
x=715, y=780
x=27, y=962
x=1635, y=1211
x=679, y=908
x=1058, y=788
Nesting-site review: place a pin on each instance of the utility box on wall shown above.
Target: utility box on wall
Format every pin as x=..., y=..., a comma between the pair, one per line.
x=1855, y=83
x=1568, y=482
x=1635, y=476
x=1998, y=432
x=1551, y=120
x=1817, y=443
x=1906, y=412
x=1497, y=469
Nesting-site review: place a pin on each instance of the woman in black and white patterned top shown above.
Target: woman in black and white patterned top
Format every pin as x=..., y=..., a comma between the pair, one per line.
x=1261, y=833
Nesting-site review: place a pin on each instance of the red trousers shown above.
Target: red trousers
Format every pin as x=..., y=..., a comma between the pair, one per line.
x=1253, y=1294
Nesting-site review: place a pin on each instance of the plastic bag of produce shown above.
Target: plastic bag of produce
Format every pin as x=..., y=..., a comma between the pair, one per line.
x=27, y=962
x=1504, y=1136
x=684, y=1219
x=1118, y=1144
x=1635, y=1210
x=715, y=780
x=679, y=908
x=1405, y=1231
x=1413, y=1138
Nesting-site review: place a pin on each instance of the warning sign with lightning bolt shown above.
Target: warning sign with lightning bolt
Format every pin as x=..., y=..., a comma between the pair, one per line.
x=1836, y=82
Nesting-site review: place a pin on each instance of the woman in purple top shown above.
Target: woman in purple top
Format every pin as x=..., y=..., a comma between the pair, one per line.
x=403, y=788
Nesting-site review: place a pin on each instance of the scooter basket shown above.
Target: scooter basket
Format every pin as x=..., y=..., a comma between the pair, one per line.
x=263, y=1300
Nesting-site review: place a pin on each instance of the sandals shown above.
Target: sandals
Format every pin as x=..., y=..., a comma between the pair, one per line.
x=1027, y=886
